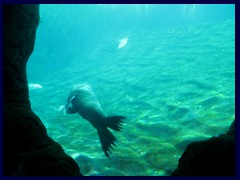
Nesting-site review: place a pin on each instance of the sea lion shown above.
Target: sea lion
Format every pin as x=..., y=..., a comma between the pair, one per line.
x=32, y=86
x=122, y=42
x=83, y=101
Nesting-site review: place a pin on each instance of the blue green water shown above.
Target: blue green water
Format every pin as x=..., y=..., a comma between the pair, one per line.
x=174, y=80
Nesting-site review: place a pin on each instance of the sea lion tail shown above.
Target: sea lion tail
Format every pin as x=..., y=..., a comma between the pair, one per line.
x=114, y=122
x=107, y=139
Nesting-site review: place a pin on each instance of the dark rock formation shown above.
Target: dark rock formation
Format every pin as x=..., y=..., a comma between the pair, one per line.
x=28, y=150
x=211, y=157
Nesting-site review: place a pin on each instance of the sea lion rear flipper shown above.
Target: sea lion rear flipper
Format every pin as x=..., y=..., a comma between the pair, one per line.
x=114, y=122
x=107, y=139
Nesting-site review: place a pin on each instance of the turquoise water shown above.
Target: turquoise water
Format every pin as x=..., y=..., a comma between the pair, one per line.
x=174, y=80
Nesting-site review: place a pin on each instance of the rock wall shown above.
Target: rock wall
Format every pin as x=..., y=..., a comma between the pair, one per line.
x=211, y=157
x=28, y=150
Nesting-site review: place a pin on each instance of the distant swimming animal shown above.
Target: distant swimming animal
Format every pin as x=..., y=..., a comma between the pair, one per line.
x=122, y=42
x=32, y=86
x=83, y=101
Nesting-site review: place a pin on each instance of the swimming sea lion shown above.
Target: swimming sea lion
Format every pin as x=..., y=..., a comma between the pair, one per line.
x=122, y=42
x=32, y=86
x=83, y=101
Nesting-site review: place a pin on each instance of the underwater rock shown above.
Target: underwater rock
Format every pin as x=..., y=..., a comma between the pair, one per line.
x=211, y=157
x=28, y=150
x=231, y=130
x=182, y=144
x=85, y=163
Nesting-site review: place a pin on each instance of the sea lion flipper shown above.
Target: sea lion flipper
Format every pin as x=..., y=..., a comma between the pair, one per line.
x=114, y=122
x=70, y=100
x=107, y=139
x=69, y=109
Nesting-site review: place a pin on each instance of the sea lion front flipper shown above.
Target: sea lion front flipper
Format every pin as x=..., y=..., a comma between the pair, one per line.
x=69, y=109
x=70, y=100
